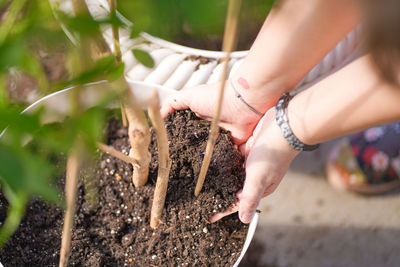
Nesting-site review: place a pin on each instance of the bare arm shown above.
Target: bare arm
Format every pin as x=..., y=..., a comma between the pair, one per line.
x=352, y=99
x=294, y=38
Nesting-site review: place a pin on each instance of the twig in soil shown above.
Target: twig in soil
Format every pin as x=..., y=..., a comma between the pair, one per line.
x=227, y=46
x=164, y=162
x=139, y=138
x=71, y=182
x=123, y=114
x=117, y=154
x=169, y=229
x=87, y=173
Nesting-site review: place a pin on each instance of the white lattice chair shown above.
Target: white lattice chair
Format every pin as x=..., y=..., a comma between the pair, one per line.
x=178, y=66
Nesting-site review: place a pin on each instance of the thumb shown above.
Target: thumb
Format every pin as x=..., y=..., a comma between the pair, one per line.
x=250, y=198
x=177, y=101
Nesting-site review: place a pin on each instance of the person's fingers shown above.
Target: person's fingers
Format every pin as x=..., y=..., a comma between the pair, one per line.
x=268, y=116
x=270, y=189
x=218, y=216
x=238, y=135
x=242, y=148
x=177, y=101
x=250, y=202
x=253, y=191
x=181, y=100
x=260, y=171
x=245, y=148
x=165, y=110
x=201, y=116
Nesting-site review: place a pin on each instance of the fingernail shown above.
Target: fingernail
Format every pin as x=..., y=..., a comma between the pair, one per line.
x=246, y=217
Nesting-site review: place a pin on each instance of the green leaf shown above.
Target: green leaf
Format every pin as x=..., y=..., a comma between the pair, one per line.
x=16, y=209
x=101, y=67
x=83, y=24
x=32, y=66
x=90, y=124
x=55, y=137
x=11, y=167
x=39, y=175
x=26, y=123
x=134, y=32
x=11, y=54
x=3, y=90
x=23, y=171
x=112, y=20
x=143, y=57
x=116, y=72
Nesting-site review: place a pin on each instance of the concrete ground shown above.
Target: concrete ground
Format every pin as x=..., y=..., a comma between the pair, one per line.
x=307, y=223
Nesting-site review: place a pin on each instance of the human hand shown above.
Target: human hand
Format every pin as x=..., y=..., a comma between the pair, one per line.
x=235, y=116
x=268, y=156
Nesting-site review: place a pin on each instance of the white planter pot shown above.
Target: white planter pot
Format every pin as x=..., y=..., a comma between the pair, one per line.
x=57, y=105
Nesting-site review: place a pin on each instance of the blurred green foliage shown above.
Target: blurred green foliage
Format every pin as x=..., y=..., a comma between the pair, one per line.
x=178, y=20
x=29, y=27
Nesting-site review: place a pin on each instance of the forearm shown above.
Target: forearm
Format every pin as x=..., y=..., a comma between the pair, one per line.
x=352, y=99
x=294, y=38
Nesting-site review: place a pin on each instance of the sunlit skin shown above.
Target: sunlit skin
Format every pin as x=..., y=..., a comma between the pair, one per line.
x=243, y=83
x=292, y=40
x=351, y=99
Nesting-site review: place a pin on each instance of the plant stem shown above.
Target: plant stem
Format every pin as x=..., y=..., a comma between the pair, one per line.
x=139, y=138
x=117, y=51
x=16, y=209
x=227, y=46
x=13, y=12
x=115, y=31
x=88, y=171
x=164, y=162
x=123, y=114
x=71, y=182
x=4, y=94
x=119, y=155
x=138, y=131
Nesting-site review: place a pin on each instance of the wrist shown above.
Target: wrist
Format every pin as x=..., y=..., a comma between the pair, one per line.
x=260, y=95
x=287, y=130
x=295, y=112
x=239, y=107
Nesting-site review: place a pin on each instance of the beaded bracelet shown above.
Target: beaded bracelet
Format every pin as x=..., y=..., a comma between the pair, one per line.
x=282, y=121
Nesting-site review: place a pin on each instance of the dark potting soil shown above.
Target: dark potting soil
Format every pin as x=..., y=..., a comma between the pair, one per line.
x=117, y=232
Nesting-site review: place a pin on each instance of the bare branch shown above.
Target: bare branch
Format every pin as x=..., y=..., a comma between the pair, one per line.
x=139, y=138
x=228, y=46
x=71, y=182
x=123, y=115
x=164, y=162
x=115, y=31
x=117, y=154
